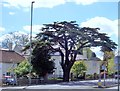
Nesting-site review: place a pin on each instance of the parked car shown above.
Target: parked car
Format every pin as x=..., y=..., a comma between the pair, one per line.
x=8, y=80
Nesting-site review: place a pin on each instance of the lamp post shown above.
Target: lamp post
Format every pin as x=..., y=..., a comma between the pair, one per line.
x=31, y=37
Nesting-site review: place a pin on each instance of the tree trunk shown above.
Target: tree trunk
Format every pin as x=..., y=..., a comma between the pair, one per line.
x=46, y=78
x=66, y=74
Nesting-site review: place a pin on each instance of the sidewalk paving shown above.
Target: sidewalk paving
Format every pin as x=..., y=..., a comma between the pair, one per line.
x=86, y=84
x=93, y=83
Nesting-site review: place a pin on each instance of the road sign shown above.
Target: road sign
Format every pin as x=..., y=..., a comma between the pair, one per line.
x=117, y=61
x=103, y=67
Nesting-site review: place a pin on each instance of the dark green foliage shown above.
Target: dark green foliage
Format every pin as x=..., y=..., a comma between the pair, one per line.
x=41, y=62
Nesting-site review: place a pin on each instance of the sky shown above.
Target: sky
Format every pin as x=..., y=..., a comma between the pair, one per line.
x=15, y=15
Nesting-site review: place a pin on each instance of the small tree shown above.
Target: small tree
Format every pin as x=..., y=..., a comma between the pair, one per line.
x=107, y=56
x=111, y=63
x=23, y=68
x=78, y=68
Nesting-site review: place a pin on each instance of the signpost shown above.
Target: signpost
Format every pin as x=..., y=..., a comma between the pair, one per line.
x=117, y=62
x=104, y=68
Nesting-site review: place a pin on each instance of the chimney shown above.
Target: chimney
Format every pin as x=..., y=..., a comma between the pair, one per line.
x=10, y=46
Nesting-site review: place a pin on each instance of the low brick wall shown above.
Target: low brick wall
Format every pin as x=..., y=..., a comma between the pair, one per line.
x=1, y=82
x=25, y=81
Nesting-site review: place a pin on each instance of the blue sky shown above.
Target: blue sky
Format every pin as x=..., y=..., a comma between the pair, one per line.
x=15, y=15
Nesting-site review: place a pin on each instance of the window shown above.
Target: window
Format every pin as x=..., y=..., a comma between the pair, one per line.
x=8, y=73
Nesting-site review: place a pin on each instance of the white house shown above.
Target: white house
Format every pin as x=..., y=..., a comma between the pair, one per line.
x=9, y=59
x=93, y=64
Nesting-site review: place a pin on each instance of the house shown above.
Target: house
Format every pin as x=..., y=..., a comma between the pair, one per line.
x=9, y=59
x=93, y=64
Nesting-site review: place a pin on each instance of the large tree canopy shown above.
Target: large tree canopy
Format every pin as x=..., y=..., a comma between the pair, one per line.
x=69, y=39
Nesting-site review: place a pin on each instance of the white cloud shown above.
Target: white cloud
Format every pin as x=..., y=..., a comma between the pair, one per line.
x=106, y=25
x=35, y=28
x=97, y=52
x=2, y=29
x=83, y=2
x=11, y=13
x=108, y=0
x=44, y=3
x=48, y=3
x=37, y=4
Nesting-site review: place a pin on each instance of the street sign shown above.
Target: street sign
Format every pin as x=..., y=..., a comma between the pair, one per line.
x=103, y=67
x=117, y=61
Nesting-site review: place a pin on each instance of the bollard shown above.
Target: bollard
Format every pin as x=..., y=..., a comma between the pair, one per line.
x=99, y=83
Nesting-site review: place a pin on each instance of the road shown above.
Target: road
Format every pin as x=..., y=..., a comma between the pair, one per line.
x=58, y=88
x=88, y=85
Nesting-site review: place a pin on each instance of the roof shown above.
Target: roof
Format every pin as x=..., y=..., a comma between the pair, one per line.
x=81, y=57
x=9, y=56
x=94, y=57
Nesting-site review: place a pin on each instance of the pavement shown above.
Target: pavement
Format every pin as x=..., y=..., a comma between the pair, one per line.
x=88, y=85
x=92, y=83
